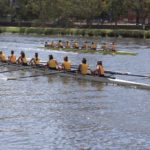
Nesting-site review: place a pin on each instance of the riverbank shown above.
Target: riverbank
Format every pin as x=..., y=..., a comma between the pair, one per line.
x=138, y=33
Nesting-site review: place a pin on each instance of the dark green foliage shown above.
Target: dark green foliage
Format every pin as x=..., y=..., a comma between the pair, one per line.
x=62, y=13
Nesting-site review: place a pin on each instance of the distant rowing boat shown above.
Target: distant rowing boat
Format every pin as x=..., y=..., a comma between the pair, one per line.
x=104, y=52
x=74, y=74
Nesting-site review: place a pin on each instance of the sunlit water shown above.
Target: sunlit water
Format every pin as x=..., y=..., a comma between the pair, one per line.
x=52, y=112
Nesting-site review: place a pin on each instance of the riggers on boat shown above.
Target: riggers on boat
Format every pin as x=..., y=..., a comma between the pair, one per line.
x=104, y=52
x=74, y=74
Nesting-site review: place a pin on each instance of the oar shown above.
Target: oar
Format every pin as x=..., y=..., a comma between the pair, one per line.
x=15, y=70
x=3, y=64
x=126, y=73
x=31, y=76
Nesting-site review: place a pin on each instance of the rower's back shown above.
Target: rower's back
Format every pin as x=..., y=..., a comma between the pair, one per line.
x=2, y=56
x=12, y=57
x=113, y=48
x=83, y=67
x=100, y=68
x=52, y=63
x=66, y=65
x=35, y=60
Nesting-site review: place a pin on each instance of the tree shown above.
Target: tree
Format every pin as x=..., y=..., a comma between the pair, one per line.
x=88, y=9
x=117, y=8
x=141, y=8
x=4, y=8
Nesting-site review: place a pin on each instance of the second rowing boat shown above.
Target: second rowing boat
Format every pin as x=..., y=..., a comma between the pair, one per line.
x=104, y=52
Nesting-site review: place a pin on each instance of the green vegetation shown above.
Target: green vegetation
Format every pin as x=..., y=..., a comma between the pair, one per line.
x=82, y=32
x=65, y=12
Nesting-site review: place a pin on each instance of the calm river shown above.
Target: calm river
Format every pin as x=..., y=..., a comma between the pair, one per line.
x=55, y=113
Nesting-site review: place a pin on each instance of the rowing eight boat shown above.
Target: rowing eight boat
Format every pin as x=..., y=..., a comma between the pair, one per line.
x=74, y=74
x=104, y=52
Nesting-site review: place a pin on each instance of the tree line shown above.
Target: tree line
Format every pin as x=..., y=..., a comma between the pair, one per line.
x=65, y=12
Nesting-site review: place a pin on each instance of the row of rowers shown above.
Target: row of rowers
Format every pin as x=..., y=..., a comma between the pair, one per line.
x=52, y=63
x=75, y=45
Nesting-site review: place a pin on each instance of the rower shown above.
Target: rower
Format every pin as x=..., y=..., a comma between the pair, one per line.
x=22, y=59
x=105, y=47
x=67, y=44
x=93, y=46
x=83, y=67
x=12, y=57
x=99, y=69
x=76, y=45
x=113, y=48
x=53, y=44
x=46, y=44
x=52, y=63
x=60, y=44
x=85, y=45
x=2, y=56
x=66, y=65
x=35, y=60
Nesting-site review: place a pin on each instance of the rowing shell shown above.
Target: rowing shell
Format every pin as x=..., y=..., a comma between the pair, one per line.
x=104, y=52
x=109, y=80
x=76, y=75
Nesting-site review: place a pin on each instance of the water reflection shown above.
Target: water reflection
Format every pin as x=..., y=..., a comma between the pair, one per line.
x=52, y=112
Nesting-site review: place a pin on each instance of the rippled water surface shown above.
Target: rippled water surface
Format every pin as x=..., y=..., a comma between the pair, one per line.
x=52, y=112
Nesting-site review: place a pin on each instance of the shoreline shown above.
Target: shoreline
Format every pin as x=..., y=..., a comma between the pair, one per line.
x=125, y=33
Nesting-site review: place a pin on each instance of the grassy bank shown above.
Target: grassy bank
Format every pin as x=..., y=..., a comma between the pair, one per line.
x=74, y=31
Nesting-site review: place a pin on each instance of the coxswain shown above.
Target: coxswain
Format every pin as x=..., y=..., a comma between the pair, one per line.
x=66, y=65
x=35, y=60
x=67, y=44
x=2, y=56
x=76, y=45
x=93, y=46
x=52, y=63
x=22, y=59
x=12, y=57
x=113, y=48
x=105, y=47
x=83, y=67
x=99, y=69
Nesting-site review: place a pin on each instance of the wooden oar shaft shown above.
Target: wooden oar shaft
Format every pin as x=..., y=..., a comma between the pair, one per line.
x=38, y=75
x=4, y=64
x=7, y=71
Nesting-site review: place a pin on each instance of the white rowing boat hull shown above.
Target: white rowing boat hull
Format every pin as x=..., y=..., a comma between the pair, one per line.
x=106, y=80
x=89, y=77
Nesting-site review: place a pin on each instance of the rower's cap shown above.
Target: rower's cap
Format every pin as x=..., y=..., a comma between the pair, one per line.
x=12, y=52
x=84, y=60
x=99, y=62
x=21, y=52
x=50, y=56
x=66, y=58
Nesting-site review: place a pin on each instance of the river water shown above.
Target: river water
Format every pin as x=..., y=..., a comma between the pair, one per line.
x=55, y=113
